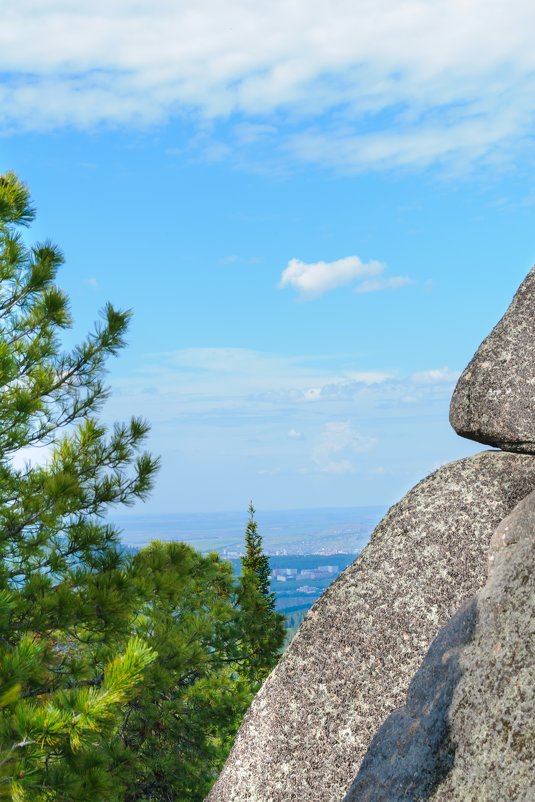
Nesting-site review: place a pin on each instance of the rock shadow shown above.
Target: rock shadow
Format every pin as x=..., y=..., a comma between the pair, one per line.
x=411, y=752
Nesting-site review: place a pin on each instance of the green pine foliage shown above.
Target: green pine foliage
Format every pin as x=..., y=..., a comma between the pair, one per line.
x=122, y=679
x=181, y=725
x=255, y=562
x=263, y=627
x=67, y=665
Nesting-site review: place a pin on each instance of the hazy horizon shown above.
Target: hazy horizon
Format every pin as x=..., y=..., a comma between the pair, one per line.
x=341, y=530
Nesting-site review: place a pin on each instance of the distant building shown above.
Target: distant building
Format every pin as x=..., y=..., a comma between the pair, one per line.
x=321, y=572
x=315, y=573
x=308, y=589
x=284, y=572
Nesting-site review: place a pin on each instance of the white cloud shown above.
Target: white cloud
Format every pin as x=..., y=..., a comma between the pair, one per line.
x=208, y=386
x=387, y=389
x=237, y=412
x=436, y=376
x=247, y=133
x=293, y=434
x=412, y=83
x=337, y=444
x=314, y=278
x=201, y=381
x=416, y=141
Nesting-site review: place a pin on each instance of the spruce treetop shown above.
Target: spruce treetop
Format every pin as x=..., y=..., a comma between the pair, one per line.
x=255, y=562
x=263, y=625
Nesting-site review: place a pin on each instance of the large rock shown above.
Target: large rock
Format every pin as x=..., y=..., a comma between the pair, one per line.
x=493, y=402
x=467, y=731
x=492, y=716
x=352, y=659
x=411, y=752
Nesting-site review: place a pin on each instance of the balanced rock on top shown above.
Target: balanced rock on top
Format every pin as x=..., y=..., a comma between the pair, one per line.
x=494, y=401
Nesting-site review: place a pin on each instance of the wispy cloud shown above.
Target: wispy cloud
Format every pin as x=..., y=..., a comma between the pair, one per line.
x=199, y=380
x=313, y=279
x=217, y=412
x=293, y=434
x=337, y=445
x=387, y=389
x=436, y=376
x=383, y=283
x=92, y=282
x=412, y=83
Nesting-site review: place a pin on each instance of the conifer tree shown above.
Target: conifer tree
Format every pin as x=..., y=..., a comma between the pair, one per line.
x=255, y=562
x=216, y=639
x=66, y=664
x=180, y=726
x=263, y=627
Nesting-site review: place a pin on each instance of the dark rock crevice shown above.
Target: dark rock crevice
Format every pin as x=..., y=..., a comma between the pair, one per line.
x=412, y=751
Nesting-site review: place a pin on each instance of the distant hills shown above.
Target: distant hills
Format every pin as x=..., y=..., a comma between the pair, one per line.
x=322, y=531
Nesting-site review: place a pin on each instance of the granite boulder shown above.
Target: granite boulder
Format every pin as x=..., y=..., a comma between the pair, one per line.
x=494, y=401
x=350, y=664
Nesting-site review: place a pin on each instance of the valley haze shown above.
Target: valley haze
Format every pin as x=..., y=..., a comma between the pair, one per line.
x=323, y=531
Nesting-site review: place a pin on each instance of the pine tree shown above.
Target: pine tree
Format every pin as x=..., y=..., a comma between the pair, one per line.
x=66, y=664
x=255, y=562
x=263, y=627
x=216, y=639
x=180, y=726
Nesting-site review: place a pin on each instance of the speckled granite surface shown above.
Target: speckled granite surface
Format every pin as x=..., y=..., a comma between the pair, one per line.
x=411, y=752
x=492, y=714
x=352, y=659
x=493, y=402
x=467, y=730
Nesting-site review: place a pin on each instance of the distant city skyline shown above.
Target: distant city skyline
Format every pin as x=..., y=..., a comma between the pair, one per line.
x=315, y=213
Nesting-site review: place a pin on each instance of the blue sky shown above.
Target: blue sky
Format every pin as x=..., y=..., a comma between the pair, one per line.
x=316, y=213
